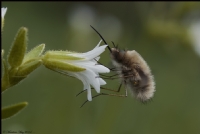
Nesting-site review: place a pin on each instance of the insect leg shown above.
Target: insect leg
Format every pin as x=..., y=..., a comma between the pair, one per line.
x=101, y=88
x=111, y=69
x=112, y=77
x=80, y=93
x=107, y=77
x=118, y=90
x=118, y=95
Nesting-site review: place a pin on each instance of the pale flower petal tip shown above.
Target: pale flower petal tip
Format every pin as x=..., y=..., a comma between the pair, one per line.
x=98, y=44
x=89, y=95
x=106, y=70
x=3, y=12
x=102, y=82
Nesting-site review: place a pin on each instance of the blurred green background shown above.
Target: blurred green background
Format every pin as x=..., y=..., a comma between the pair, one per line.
x=162, y=32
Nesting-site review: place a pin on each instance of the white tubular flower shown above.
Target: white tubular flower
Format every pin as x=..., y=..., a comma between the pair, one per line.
x=82, y=66
x=3, y=12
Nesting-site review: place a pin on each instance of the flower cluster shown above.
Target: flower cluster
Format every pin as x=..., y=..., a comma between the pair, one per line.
x=83, y=66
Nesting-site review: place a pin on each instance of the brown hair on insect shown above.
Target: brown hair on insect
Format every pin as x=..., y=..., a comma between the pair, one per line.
x=133, y=71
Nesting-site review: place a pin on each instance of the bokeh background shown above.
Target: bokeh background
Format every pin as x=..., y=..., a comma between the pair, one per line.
x=166, y=34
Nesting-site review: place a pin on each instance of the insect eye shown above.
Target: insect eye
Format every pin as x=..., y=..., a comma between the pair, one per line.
x=136, y=83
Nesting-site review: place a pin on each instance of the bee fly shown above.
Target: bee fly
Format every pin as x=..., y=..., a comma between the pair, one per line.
x=133, y=71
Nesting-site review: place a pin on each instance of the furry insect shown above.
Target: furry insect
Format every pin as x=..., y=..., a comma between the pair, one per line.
x=133, y=71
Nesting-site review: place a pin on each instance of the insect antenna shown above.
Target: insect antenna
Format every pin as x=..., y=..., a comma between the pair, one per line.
x=114, y=44
x=80, y=93
x=102, y=38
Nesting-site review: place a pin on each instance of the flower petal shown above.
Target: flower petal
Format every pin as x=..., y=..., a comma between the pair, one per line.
x=98, y=44
x=88, y=78
x=92, y=79
x=100, y=69
x=3, y=12
x=89, y=94
x=91, y=54
x=91, y=65
x=101, y=81
x=94, y=53
x=96, y=59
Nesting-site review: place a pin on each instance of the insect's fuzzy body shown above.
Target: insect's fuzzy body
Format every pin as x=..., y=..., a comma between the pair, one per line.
x=134, y=73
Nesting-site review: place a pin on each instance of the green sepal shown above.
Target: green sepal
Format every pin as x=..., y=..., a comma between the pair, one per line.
x=13, y=79
x=16, y=79
x=61, y=55
x=60, y=65
x=28, y=67
x=9, y=111
x=18, y=49
x=34, y=53
x=2, y=24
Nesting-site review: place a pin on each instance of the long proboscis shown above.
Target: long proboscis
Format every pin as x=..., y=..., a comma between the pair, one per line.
x=101, y=38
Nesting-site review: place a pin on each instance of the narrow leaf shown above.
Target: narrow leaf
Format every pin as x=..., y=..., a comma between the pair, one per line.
x=16, y=79
x=34, y=53
x=61, y=55
x=18, y=48
x=9, y=111
x=27, y=68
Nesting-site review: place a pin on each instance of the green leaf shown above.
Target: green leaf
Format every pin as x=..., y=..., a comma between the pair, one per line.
x=28, y=67
x=5, y=79
x=9, y=111
x=34, y=53
x=16, y=79
x=18, y=48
